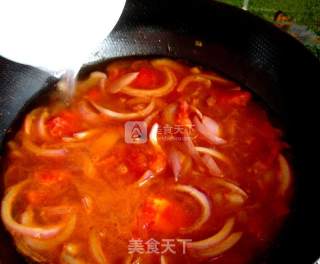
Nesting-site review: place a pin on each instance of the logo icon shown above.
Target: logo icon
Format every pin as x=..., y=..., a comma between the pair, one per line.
x=135, y=132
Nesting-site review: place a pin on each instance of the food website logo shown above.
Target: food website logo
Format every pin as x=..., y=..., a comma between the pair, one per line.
x=136, y=132
x=154, y=246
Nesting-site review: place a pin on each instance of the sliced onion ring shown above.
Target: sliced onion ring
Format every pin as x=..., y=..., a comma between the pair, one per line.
x=163, y=259
x=132, y=259
x=158, y=92
x=215, y=78
x=197, y=111
x=234, y=198
x=43, y=133
x=186, y=165
x=175, y=162
x=203, y=201
x=209, y=242
x=153, y=137
x=214, y=153
x=67, y=258
x=94, y=78
x=27, y=216
x=164, y=62
x=284, y=174
x=26, y=250
x=11, y=224
x=138, y=100
x=212, y=166
x=47, y=244
x=211, y=125
x=145, y=178
x=208, y=132
x=231, y=186
x=192, y=150
x=29, y=120
x=44, y=152
x=122, y=82
x=88, y=113
x=125, y=116
x=192, y=79
x=223, y=246
x=82, y=135
x=95, y=247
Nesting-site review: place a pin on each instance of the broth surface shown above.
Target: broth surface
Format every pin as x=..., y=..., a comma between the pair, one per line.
x=153, y=161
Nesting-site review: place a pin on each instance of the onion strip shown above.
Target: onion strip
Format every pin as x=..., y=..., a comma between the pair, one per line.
x=157, y=63
x=216, y=238
x=95, y=247
x=82, y=135
x=39, y=151
x=163, y=259
x=175, y=162
x=145, y=178
x=138, y=100
x=215, y=78
x=41, y=124
x=124, y=116
x=196, y=111
x=47, y=244
x=158, y=92
x=208, y=132
x=153, y=137
x=25, y=250
x=230, y=186
x=131, y=259
x=117, y=85
x=203, y=201
x=27, y=217
x=235, y=199
x=211, y=125
x=225, y=245
x=95, y=78
x=214, y=153
x=212, y=166
x=11, y=224
x=29, y=121
x=192, y=79
x=192, y=150
x=68, y=259
x=284, y=174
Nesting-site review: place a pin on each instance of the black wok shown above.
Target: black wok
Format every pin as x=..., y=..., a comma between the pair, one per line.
x=274, y=66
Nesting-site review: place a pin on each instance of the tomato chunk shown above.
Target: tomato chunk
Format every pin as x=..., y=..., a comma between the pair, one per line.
x=64, y=124
x=94, y=94
x=36, y=197
x=51, y=177
x=234, y=98
x=147, y=78
x=163, y=215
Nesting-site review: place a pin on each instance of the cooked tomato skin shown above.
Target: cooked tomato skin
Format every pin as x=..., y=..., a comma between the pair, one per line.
x=147, y=78
x=233, y=98
x=163, y=216
x=64, y=124
x=94, y=94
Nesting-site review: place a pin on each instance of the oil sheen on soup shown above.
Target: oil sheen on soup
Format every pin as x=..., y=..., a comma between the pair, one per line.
x=152, y=161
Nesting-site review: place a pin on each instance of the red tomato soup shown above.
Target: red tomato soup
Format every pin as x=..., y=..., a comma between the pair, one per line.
x=152, y=161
